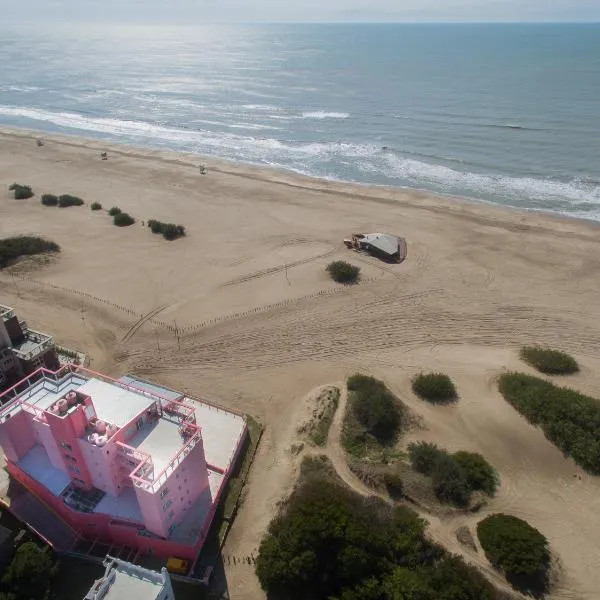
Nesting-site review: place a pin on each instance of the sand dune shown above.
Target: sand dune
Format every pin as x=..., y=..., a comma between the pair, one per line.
x=260, y=324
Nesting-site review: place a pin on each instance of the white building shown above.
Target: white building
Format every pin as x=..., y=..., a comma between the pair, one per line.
x=124, y=581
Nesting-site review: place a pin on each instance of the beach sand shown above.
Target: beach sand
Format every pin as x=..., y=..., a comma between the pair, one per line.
x=241, y=311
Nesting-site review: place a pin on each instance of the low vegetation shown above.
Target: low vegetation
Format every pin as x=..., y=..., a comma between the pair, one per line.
x=343, y=272
x=96, y=206
x=123, y=220
x=548, y=361
x=518, y=549
x=66, y=200
x=49, y=200
x=169, y=231
x=394, y=485
x=21, y=192
x=569, y=419
x=328, y=542
x=317, y=429
x=114, y=211
x=434, y=387
x=454, y=476
x=373, y=418
x=13, y=248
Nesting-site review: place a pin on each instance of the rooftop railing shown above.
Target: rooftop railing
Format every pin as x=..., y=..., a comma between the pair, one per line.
x=6, y=312
x=43, y=343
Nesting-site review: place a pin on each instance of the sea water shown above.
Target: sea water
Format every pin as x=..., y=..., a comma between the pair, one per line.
x=508, y=114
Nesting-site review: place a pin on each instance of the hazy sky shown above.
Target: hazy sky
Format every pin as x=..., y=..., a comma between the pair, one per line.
x=199, y=11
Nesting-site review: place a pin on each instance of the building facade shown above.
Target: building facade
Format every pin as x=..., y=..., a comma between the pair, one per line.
x=22, y=350
x=121, y=462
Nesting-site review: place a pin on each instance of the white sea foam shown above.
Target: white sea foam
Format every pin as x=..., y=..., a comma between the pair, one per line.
x=321, y=114
x=326, y=159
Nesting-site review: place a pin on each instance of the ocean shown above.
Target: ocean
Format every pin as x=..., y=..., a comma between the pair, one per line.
x=508, y=114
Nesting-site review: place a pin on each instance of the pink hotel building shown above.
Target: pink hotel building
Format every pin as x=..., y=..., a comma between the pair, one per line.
x=121, y=462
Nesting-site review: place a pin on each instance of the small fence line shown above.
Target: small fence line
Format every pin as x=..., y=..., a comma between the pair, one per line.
x=190, y=329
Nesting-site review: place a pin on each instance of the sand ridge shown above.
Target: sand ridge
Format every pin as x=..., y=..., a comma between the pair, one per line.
x=260, y=325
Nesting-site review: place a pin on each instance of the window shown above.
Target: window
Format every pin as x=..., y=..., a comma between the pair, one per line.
x=74, y=469
x=164, y=493
x=170, y=515
x=66, y=446
x=166, y=505
x=71, y=458
x=79, y=481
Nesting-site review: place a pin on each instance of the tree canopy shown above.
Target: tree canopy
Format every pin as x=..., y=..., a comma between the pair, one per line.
x=28, y=576
x=329, y=543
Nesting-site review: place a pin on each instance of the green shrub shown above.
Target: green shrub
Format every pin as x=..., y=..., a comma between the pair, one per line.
x=329, y=543
x=394, y=485
x=454, y=476
x=478, y=471
x=30, y=573
x=14, y=247
x=169, y=231
x=450, y=482
x=435, y=387
x=22, y=192
x=343, y=272
x=123, y=220
x=49, y=200
x=96, y=206
x=551, y=362
x=425, y=456
x=67, y=200
x=374, y=407
x=114, y=211
x=517, y=548
x=569, y=419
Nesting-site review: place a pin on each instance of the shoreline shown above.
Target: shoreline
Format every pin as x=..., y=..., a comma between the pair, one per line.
x=290, y=178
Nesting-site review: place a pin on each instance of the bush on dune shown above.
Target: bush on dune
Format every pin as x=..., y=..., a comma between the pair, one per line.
x=114, y=211
x=517, y=548
x=15, y=247
x=435, y=387
x=569, y=419
x=123, y=220
x=96, y=206
x=343, y=272
x=49, y=200
x=66, y=200
x=548, y=361
x=169, y=231
x=454, y=476
x=21, y=192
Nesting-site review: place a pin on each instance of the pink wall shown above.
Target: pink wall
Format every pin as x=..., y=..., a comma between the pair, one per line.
x=17, y=436
x=46, y=439
x=101, y=461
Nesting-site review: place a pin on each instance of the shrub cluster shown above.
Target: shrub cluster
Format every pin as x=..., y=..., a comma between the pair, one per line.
x=454, y=476
x=169, y=231
x=517, y=548
x=123, y=220
x=551, y=362
x=374, y=407
x=30, y=573
x=435, y=387
x=343, y=272
x=67, y=200
x=13, y=248
x=49, y=200
x=569, y=419
x=329, y=543
x=96, y=206
x=22, y=192
x=114, y=211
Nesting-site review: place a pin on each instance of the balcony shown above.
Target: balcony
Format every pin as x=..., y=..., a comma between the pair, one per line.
x=6, y=312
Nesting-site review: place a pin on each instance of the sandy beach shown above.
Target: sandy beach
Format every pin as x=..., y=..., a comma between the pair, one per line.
x=242, y=311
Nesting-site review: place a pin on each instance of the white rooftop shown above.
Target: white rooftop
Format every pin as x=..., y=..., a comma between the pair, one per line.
x=123, y=506
x=113, y=403
x=125, y=581
x=161, y=440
